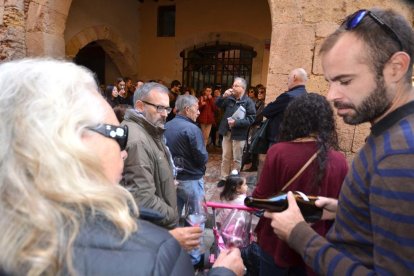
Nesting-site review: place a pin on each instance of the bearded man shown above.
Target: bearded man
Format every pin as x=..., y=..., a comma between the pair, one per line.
x=368, y=63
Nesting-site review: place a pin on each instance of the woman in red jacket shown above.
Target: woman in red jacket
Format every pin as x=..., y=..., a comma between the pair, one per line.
x=207, y=108
x=308, y=126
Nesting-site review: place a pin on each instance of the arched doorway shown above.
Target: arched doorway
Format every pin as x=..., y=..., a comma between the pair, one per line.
x=92, y=56
x=117, y=52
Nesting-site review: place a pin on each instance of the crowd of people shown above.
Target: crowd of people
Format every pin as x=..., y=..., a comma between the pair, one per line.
x=98, y=183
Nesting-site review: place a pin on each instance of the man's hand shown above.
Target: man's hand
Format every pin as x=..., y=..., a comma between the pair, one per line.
x=284, y=222
x=329, y=206
x=231, y=259
x=187, y=237
x=231, y=122
x=228, y=92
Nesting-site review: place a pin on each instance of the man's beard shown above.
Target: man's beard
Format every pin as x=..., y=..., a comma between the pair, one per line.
x=371, y=107
x=160, y=122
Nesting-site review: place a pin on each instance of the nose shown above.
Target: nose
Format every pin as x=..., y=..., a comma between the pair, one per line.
x=124, y=154
x=333, y=92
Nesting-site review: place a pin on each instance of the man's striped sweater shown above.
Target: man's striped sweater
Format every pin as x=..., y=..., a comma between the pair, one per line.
x=374, y=227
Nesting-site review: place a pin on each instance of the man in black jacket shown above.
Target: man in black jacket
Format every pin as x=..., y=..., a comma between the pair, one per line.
x=234, y=128
x=274, y=111
x=186, y=144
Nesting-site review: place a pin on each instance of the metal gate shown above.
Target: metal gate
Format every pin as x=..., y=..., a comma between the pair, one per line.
x=216, y=64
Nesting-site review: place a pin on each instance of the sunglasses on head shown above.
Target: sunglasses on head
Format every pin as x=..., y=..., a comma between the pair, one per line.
x=118, y=133
x=354, y=20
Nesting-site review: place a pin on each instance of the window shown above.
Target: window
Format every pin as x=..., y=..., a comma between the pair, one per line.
x=166, y=21
x=217, y=63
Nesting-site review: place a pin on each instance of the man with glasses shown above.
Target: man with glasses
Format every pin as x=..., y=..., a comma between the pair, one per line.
x=368, y=63
x=148, y=172
x=234, y=128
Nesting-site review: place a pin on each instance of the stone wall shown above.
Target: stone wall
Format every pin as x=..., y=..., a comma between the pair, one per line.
x=12, y=30
x=298, y=29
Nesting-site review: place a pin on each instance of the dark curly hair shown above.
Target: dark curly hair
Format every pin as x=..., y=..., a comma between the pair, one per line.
x=311, y=115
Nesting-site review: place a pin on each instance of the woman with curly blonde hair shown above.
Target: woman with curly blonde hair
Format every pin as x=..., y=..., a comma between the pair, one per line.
x=61, y=158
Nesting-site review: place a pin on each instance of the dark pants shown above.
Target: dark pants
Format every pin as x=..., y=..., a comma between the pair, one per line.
x=259, y=263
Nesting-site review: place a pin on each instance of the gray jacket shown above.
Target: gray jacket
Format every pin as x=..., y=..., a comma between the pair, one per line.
x=147, y=172
x=99, y=250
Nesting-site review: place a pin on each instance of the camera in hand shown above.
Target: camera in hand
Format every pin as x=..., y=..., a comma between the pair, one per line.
x=279, y=203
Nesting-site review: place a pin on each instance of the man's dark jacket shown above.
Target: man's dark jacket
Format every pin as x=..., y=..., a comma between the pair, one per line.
x=274, y=111
x=241, y=127
x=184, y=139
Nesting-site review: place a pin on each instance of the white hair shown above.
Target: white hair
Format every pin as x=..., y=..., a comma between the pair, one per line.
x=242, y=82
x=49, y=180
x=183, y=101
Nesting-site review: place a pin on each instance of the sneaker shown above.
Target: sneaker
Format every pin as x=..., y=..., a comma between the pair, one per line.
x=221, y=183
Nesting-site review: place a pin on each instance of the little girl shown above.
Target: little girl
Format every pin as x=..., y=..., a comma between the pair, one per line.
x=234, y=192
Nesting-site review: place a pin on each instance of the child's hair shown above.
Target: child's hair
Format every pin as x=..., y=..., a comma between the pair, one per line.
x=233, y=181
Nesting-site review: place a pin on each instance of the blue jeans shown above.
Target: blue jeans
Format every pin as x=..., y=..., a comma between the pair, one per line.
x=190, y=189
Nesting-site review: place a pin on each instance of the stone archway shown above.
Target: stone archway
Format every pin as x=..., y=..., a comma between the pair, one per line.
x=110, y=42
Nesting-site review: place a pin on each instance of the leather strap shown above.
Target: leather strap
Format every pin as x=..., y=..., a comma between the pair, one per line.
x=300, y=171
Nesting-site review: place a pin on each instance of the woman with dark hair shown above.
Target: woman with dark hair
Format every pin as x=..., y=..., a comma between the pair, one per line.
x=260, y=92
x=308, y=127
x=111, y=94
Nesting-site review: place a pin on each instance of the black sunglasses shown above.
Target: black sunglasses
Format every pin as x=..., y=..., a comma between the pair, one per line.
x=118, y=133
x=355, y=20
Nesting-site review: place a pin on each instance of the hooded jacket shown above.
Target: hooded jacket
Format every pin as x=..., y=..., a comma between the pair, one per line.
x=148, y=171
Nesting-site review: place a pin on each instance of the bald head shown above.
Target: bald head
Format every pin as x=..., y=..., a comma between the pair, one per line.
x=297, y=77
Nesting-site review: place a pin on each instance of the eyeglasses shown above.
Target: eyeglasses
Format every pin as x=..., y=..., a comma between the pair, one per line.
x=160, y=108
x=118, y=133
x=355, y=20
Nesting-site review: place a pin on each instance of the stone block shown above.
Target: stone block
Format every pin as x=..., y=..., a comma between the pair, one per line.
x=90, y=34
x=276, y=84
x=1, y=14
x=43, y=18
x=285, y=12
x=330, y=10
x=12, y=17
x=44, y=44
x=18, y=4
x=317, y=62
x=323, y=29
x=345, y=134
x=292, y=47
x=59, y=6
x=317, y=84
